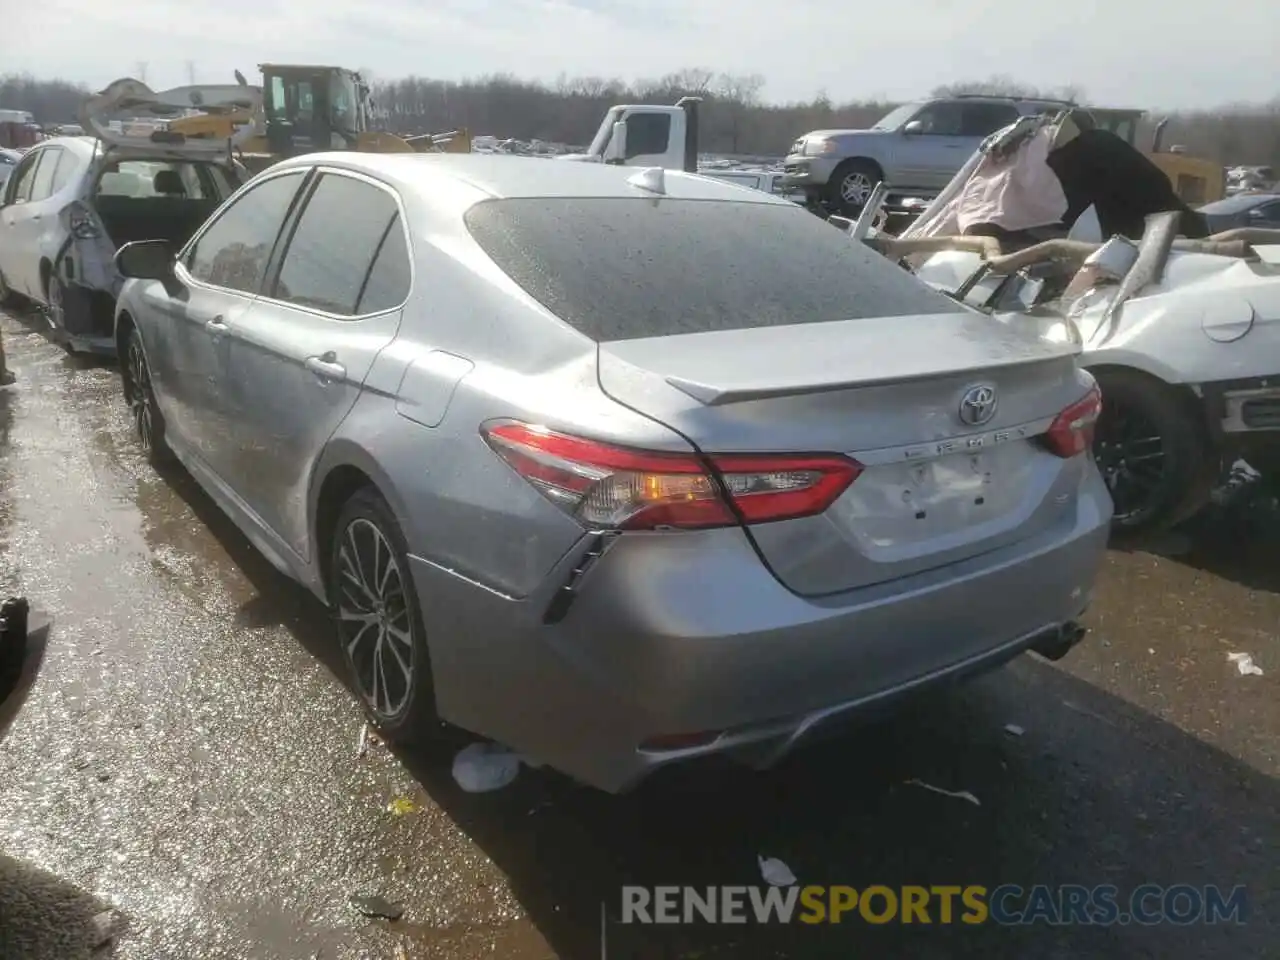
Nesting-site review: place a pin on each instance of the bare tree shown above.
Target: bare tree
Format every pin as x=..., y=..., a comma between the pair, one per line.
x=738, y=95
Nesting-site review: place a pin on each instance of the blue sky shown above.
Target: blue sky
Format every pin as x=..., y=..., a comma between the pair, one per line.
x=800, y=46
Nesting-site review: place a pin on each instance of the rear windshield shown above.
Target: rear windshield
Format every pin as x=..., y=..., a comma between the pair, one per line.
x=621, y=268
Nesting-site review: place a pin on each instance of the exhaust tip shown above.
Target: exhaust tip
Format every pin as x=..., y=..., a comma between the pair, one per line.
x=1057, y=643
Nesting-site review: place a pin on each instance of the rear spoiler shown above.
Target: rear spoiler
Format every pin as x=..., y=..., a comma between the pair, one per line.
x=129, y=96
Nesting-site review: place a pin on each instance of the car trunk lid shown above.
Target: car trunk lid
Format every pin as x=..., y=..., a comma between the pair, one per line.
x=138, y=100
x=944, y=477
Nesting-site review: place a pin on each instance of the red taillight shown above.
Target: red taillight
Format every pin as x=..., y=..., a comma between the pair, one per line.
x=617, y=488
x=1072, y=430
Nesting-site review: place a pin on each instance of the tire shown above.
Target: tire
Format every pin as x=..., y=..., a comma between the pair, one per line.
x=148, y=422
x=851, y=185
x=54, y=296
x=378, y=620
x=1154, y=451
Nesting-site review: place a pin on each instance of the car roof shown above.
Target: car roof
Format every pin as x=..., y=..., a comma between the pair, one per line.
x=998, y=98
x=499, y=176
x=81, y=145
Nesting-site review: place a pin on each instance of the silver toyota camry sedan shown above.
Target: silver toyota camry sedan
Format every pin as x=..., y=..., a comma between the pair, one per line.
x=614, y=467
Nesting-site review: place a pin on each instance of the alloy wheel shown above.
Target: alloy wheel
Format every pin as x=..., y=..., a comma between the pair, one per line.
x=856, y=188
x=373, y=619
x=1131, y=456
x=54, y=311
x=140, y=395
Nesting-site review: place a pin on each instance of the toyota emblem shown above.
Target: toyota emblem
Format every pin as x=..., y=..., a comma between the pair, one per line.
x=978, y=405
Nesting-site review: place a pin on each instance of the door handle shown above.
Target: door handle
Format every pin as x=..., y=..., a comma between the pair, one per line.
x=216, y=327
x=326, y=367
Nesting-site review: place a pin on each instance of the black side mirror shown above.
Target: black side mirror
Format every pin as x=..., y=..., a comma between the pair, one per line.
x=145, y=260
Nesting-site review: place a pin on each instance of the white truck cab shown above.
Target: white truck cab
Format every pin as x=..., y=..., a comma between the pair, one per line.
x=645, y=135
x=648, y=135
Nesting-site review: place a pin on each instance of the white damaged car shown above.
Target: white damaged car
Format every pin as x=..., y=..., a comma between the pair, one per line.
x=71, y=202
x=1182, y=334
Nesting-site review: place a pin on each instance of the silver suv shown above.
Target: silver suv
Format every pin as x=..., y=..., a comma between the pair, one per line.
x=916, y=148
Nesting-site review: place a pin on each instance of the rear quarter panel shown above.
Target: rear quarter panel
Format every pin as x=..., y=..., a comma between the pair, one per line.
x=1211, y=318
x=462, y=507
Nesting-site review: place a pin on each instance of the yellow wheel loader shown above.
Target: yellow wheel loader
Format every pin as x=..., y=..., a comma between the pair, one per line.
x=298, y=109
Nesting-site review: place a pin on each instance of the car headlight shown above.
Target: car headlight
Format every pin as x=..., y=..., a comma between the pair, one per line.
x=816, y=148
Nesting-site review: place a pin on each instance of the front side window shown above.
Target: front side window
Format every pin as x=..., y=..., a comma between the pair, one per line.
x=622, y=268
x=234, y=250
x=342, y=229
x=897, y=117
x=941, y=119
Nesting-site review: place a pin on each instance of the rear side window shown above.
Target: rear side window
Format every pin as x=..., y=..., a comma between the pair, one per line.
x=1270, y=212
x=981, y=119
x=331, y=253
x=390, y=277
x=621, y=268
x=42, y=186
x=233, y=252
x=68, y=166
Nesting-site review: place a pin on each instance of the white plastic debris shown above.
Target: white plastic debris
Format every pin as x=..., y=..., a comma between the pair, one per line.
x=958, y=794
x=362, y=744
x=1244, y=663
x=1013, y=729
x=775, y=872
x=484, y=767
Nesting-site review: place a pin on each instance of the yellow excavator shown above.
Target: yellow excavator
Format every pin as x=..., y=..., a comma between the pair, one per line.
x=1195, y=179
x=304, y=109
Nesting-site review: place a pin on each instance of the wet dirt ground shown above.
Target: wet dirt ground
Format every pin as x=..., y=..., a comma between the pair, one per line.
x=189, y=757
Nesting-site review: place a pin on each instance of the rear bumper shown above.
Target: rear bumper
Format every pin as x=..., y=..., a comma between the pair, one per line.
x=1249, y=406
x=689, y=634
